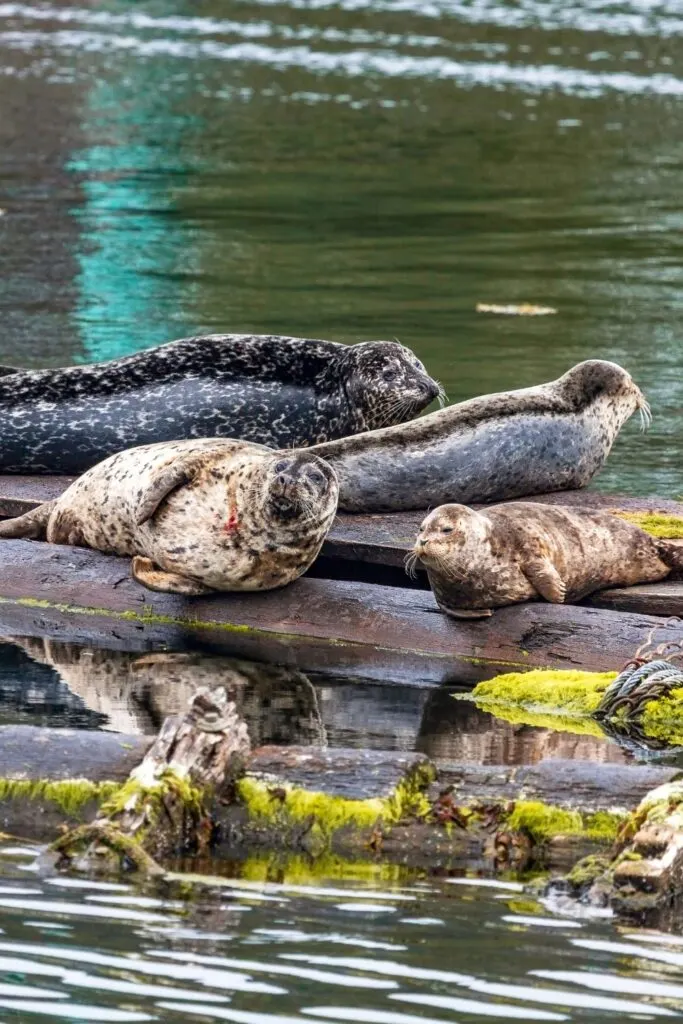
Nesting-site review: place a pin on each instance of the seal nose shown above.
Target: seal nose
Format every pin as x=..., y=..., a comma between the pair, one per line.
x=431, y=388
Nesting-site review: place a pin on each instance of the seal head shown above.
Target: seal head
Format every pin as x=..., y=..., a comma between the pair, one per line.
x=297, y=486
x=385, y=383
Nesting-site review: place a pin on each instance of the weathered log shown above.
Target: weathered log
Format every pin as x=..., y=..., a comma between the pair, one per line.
x=340, y=627
x=163, y=807
x=370, y=804
x=641, y=879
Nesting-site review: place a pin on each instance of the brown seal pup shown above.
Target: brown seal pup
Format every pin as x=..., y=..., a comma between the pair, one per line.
x=478, y=561
x=553, y=437
x=196, y=516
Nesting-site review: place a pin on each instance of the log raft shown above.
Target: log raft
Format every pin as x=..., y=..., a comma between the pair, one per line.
x=356, y=613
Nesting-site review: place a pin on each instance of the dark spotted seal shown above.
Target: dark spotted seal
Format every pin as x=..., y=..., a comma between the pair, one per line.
x=478, y=561
x=547, y=438
x=280, y=391
x=197, y=516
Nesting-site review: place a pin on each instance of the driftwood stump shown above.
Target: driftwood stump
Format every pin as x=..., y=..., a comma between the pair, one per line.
x=164, y=806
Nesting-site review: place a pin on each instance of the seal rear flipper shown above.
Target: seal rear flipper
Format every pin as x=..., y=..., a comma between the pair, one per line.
x=151, y=576
x=544, y=577
x=31, y=526
x=672, y=555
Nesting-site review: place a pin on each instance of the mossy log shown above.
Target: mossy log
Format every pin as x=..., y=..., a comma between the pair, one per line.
x=641, y=879
x=568, y=700
x=164, y=806
x=376, y=806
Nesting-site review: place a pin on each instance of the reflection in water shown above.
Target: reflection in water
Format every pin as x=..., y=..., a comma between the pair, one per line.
x=136, y=692
x=132, y=693
x=392, y=949
x=458, y=731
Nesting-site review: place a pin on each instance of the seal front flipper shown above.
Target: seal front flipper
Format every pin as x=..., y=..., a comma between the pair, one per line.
x=151, y=576
x=169, y=477
x=31, y=526
x=543, y=575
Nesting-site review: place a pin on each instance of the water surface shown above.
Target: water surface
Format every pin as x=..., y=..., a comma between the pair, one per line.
x=352, y=169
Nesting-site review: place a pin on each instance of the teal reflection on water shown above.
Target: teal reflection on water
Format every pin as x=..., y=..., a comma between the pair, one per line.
x=133, y=244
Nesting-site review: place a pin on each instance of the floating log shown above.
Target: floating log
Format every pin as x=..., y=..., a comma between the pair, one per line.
x=373, y=548
x=339, y=626
x=371, y=804
x=164, y=805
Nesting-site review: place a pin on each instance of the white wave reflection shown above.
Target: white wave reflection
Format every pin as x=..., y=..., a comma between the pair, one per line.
x=630, y=949
x=73, y=1011
x=292, y=935
x=31, y=991
x=79, y=910
x=326, y=977
x=357, y=63
x=639, y=18
x=505, y=1010
x=615, y=983
x=238, y=1016
x=225, y=980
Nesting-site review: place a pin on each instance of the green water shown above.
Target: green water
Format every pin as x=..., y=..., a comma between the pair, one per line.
x=345, y=169
x=353, y=169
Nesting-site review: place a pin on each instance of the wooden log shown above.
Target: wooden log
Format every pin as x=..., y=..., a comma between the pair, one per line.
x=373, y=548
x=164, y=805
x=311, y=800
x=375, y=632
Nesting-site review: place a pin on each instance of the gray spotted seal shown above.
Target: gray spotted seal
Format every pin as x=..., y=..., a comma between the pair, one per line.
x=196, y=516
x=505, y=554
x=552, y=437
x=279, y=391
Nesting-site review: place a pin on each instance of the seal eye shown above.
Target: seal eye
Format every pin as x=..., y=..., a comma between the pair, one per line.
x=388, y=374
x=316, y=477
x=447, y=529
x=281, y=466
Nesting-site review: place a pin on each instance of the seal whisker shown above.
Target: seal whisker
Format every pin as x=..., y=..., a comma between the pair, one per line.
x=645, y=413
x=410, y=563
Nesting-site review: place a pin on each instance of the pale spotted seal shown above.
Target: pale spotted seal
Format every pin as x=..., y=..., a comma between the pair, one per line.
x=196, y=516
x=279, y=391
x=552, y=437
x=478, y=561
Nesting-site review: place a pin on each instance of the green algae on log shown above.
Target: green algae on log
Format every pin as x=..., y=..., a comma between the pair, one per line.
x=163, y=808
x=642, y=878
x=657, y=524
x=566, y=700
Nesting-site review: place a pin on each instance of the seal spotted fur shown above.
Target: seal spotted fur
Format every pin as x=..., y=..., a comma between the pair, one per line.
x=505, y=554
x=280, y=391
x=196, y=516
x=552, y=437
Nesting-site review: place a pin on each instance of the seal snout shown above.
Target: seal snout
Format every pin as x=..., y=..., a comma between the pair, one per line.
x=298, y=482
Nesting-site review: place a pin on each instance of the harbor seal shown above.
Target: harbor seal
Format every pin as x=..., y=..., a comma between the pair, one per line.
x=196, y=516
x=505, y=554
x=552, y=437
x=279, y=391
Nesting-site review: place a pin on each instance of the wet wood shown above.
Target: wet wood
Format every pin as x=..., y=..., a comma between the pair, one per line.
x=380, y=632
x=372, y=548
x=166, y=809
x=342, y=774
x=30, y=753
x=574, y=784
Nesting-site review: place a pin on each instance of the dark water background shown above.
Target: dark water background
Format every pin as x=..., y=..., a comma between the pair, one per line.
x=353, y=169
x=346, y=169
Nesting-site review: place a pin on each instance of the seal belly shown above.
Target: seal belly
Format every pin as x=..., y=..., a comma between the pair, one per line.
x=494, y=461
